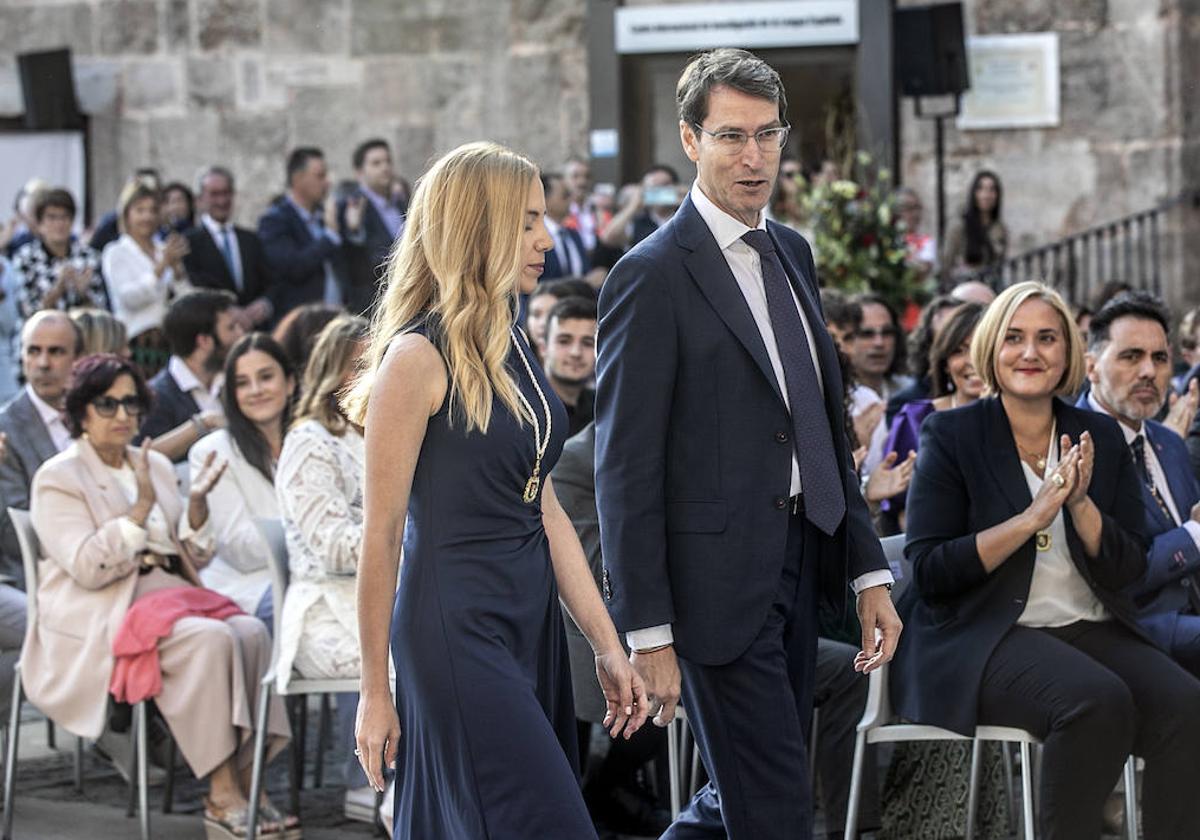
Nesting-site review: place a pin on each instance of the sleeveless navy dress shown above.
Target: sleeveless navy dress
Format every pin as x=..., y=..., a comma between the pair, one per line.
x=488, y=749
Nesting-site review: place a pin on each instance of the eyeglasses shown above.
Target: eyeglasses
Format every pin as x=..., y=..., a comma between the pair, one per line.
x=769, y=140
x=107, y=406
x=882, y=332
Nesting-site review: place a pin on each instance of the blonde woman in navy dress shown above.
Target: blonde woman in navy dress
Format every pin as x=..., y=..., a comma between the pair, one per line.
x=462, y=431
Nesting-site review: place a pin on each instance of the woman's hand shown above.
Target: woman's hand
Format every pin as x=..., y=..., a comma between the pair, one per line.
x=146, y=497
x=890, y=479
x=1083, y=468
x=376, y=735
x=865, y=423
x=175, y=249
x=202, y=484
x=1052, y=496
x=624, y=694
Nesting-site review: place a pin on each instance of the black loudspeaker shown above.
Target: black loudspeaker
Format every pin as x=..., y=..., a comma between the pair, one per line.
x=49, y=90
x=931, y=58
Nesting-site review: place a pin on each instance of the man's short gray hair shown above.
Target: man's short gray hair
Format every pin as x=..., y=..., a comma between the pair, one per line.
x=208, y=171
x=737, y=69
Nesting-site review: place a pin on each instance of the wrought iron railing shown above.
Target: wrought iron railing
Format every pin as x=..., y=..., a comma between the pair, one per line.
x=1128, y=249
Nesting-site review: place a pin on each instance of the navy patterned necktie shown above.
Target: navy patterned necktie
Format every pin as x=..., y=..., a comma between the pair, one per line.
x=1138, y=446
x=820, y=478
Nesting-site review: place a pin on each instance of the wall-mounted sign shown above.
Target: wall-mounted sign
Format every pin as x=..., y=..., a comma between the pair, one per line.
x=683, y=27
x=1014, y=82
x=605, y=142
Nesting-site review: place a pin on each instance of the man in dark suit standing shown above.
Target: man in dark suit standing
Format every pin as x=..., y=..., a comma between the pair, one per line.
x=727, y=495
x=568, y=257
x=304, y=253
x=369, y=222
x=1129, y=367
x=225, y=256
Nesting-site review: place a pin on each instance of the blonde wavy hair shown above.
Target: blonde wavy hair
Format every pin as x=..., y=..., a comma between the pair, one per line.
x=459, y=260
x=321, y=387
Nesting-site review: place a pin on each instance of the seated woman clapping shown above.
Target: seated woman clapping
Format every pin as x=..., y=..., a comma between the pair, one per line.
x=120, y=558
x=1024, y=526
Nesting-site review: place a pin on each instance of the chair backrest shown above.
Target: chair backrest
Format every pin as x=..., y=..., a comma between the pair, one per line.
x=277, y=564
x=879, y=703
x=31, y=551
x=893, y=550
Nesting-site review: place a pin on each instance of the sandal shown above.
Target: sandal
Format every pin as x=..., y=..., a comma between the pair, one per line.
x=289, y=824
x=232, y=824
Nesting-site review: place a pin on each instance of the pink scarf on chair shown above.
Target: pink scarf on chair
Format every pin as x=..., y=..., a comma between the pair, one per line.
x=136, y=674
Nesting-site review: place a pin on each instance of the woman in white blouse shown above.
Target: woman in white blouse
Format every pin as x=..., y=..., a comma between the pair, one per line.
x=319, y=486
x=143, y=274
x=258, y=394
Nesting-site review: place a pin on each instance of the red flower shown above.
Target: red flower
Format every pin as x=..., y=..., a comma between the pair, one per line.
x=868, y=240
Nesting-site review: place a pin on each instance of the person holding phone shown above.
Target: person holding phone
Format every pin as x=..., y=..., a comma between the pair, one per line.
x=647, y=207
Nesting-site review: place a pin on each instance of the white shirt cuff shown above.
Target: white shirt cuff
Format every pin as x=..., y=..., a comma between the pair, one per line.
x=1193, y=528
x=880, y=577
x=133, y=536
x=202, y=538
x=650, y=637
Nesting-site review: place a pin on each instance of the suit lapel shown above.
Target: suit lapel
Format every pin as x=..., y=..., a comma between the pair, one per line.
x=1180, y=483
x=218, y=257
x=1004, y=463
x=710, y=271
x=39, y=435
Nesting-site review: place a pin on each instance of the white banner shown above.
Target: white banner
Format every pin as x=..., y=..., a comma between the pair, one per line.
x=684, y=27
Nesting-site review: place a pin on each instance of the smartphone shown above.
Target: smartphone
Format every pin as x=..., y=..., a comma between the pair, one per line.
x=667, y=196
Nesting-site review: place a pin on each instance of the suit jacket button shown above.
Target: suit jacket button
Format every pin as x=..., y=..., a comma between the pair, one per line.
x=781, y=437
x=780, y=503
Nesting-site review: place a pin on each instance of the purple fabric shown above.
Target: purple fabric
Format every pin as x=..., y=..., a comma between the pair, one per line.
x=902, y=439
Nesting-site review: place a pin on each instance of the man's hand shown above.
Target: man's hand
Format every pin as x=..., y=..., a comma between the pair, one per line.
x=1196, y=512
x=1183, y=410
x=660, y=674
x=878, y=617
x=355, y=206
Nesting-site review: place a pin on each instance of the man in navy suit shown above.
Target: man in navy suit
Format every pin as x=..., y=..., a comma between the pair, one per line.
x=370, y=220
x=568, y=257
x=225, y=256
x=1129, y=366
x=304, y=252
x=726, y=493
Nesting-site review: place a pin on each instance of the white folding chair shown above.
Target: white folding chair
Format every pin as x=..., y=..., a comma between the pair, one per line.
x=30, y=552
x=272, y=530
x=877, y=727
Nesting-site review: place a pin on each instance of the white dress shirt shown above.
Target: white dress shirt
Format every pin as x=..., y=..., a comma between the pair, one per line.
x=746, y=266
x=1157, y=475
x=218, y=232
x=207, y=399
x=1058, y=594
x=60, y=435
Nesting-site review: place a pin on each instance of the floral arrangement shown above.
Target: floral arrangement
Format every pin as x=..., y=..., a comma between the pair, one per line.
x=858, y=241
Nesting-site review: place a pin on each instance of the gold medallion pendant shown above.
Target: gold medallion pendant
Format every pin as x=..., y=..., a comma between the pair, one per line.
x=531, y=489
x=1043, y=541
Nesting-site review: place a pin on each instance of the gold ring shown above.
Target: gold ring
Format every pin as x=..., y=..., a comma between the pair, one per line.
x=1058, y=480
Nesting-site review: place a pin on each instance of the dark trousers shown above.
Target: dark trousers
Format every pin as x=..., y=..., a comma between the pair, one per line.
x=1185, y=645
x=840, y=695
x=751, y=718
x=1096, y=693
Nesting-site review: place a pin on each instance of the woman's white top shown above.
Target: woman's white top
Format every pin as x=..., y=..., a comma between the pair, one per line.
x=1058, y=594
x=139, y=296
x=319, y=487
x=155, y=534
x=239, y=568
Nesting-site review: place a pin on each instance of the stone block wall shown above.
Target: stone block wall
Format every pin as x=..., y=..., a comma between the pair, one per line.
x=181, y=83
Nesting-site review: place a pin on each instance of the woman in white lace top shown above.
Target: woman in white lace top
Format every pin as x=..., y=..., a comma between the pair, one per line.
x=318, y=483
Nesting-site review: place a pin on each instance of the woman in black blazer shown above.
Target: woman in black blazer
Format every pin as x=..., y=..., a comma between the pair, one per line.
x=1024, y=527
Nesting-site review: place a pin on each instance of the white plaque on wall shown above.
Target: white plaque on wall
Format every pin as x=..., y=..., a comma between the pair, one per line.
x=1014, y=82
x=684, y=27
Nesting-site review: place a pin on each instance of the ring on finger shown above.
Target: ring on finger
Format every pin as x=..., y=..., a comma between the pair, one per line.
x=1058, y=480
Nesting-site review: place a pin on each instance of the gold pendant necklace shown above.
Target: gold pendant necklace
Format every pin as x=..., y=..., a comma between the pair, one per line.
x=539, y=442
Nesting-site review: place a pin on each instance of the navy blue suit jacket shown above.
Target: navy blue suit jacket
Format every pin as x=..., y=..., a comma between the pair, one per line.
x=297, y=260
x=366, y=260
x=969, y=478
x=170, y=407
x=694, y=446
x=206, y=264
x=1173, y=559
x=558, y=265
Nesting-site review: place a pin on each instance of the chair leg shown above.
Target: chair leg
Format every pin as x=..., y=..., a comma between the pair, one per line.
x=322, y=742
x=1009, y=788
x=694, y=783
x=143, y=769
x=813, y=733
x=131, y=805
x=856, y=774
x=1027, y=791
x=1131, y=812
x=10, y=761
x=303, y=735
x=673, y=772
x=260, y=749
x=168, y=803
x=78, y=768
x=973, y=787
x=296, y=769
x=51, y=740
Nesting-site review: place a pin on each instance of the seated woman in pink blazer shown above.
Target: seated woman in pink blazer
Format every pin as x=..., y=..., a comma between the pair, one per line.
x=113, y=530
